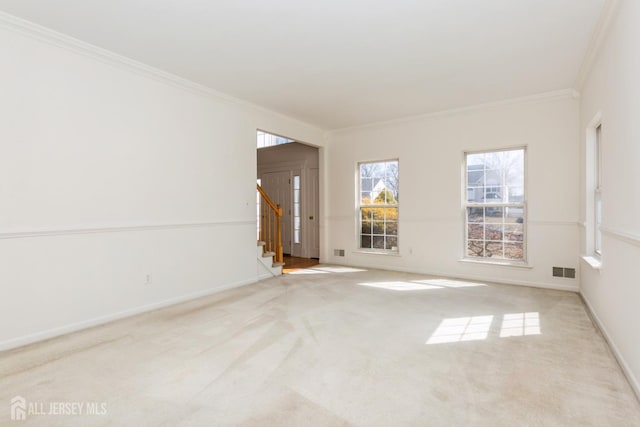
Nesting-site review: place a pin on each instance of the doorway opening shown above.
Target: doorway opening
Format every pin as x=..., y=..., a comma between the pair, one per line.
x=288, y=171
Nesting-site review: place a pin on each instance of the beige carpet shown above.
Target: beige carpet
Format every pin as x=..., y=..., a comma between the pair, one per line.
x=334, y=346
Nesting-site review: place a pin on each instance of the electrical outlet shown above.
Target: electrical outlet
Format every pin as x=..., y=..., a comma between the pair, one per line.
x=148, y=279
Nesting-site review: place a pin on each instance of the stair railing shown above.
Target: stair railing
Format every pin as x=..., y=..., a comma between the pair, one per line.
x=271, y=225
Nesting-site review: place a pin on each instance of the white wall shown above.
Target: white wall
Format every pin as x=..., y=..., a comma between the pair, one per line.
x=613, y=89
x=110, y=172
x=430, y=150
x=285, y=155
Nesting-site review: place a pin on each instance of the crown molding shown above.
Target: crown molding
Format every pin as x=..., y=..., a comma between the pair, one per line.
x=595, y=45
x=556, y=94
x=60, y=40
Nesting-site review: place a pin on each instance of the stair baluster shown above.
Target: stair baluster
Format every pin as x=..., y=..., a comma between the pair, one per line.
x=271, y=225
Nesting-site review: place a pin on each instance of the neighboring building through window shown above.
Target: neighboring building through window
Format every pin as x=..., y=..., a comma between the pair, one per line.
x=495, y=205
x=378, y=205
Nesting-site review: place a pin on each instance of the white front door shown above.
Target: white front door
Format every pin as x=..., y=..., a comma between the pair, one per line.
x=277, y=185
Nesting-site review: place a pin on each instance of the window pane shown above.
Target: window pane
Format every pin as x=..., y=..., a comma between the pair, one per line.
x=475, y=194
x=391, y=214
x=366, y=220
x=475, y=248
x=493, y=214
x=494, y=232
x=378, y=227
x=493, y=195
x=296, y=236
x=514, y=251
x=475, y=160
x=379, y=195
x=514, y=232
x=365, y=242
x=392, y=243
x=598, y=222
x=475, y=215
x=378, y=242
x=475, y=231
x=391, y=228
x=494, y=249
x=514, y=215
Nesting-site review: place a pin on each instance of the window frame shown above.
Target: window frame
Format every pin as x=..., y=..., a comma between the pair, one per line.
x=296, y=213
x=597, y=190
x=360, y=206
x=524, y=205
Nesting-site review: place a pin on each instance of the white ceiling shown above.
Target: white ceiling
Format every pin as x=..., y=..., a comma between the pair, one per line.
x=339, y=63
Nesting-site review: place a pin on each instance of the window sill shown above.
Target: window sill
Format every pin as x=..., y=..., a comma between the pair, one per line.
x=592, y=262
x=498, y=263
x=385, y=253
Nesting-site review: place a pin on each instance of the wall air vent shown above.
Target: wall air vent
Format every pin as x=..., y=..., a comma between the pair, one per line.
x=569, y=273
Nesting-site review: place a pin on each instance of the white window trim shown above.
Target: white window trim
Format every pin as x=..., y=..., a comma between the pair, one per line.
x=593, y=256
x=524, y=263
x=358, y=215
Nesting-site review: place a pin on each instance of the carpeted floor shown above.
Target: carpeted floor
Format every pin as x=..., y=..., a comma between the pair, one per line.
x=334, y=346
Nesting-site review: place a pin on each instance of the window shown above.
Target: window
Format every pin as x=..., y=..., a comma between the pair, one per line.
x=265, y=139
x=296, y=209
x=597, y=193
x=378, y=205
x=495, y=205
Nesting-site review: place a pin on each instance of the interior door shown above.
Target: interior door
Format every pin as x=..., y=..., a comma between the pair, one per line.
x=313, y=212
x=277, y=185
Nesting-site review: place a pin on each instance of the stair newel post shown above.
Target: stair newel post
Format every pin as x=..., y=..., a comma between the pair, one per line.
x=279, y=254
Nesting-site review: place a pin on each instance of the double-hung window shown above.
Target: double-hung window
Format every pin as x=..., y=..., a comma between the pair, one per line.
x=495, y=205
x=378, y=205
x=597, y=193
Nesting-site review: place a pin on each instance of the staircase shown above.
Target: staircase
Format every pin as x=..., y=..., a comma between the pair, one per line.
x=267, y=266
x=269, y=249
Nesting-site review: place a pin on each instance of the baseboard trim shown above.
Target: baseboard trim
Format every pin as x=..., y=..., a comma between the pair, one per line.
x=633, y=381
x=85, y=324
x=476, y=278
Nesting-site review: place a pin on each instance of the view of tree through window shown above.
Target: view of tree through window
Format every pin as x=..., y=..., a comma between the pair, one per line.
x=379, y=205
x=495, y=205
